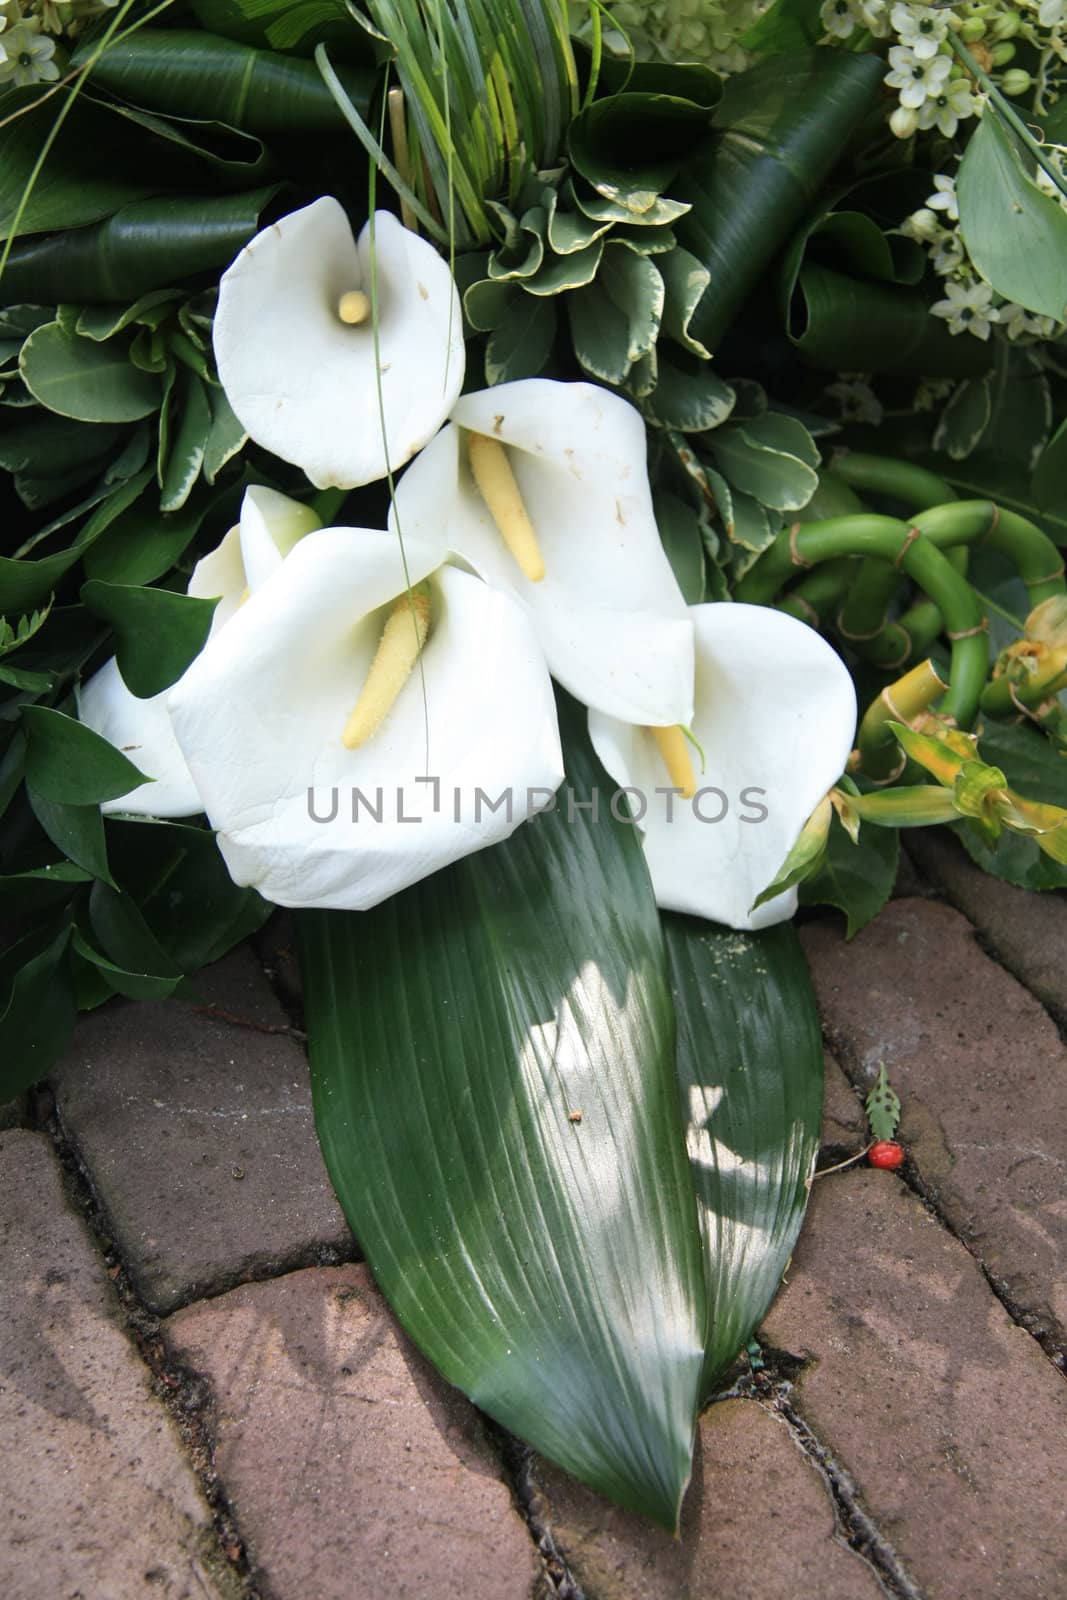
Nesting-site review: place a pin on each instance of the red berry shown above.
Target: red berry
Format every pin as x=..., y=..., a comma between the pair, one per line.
x=886, y=1153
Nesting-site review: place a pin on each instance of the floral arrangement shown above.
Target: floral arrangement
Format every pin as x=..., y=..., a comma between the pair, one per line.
x=541, y=491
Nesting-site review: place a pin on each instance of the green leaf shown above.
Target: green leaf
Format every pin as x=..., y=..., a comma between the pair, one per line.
x=68, y=763
x=132, y=985
x=777, y=135
x=22, y=893
x=849, y=324
x=148, y=245
x=549, y=1266
x=191, y=74
x=629, y=145
x=36, y=1013
x=177, y=877
x=157, y=633
x=1015, y=235
x=750, y=1070
x=882, y=1106
x=679, y=531
x=1050, y=474
x=186, y=454
x=25, y=583
x=787, y=25
x=76, y=830
x=691, y=399
x=143, y=543
x=91, y=382
x=964, y=419
x=855, y=878
x=226, y=436
x=684, y=282
x=773, y=477
x=521, y=345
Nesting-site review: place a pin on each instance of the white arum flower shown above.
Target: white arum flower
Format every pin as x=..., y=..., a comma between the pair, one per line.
x=295, y=346
x=336, y=767
x=270, y=525
x=571, y=533
x=775, y=718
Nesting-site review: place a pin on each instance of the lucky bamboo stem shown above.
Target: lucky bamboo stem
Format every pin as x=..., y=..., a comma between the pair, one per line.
x=880, y=755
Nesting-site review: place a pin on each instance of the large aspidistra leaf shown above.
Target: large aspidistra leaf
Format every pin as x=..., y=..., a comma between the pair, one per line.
x=750, y=1069
x=492, y=1058
x=778, y=133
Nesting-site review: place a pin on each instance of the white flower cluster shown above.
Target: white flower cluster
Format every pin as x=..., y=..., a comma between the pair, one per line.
x=969, y=305
x=685, y=30
x=27, y=53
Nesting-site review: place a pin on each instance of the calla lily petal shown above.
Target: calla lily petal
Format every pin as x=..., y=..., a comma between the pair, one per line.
x=609, y=614
x=302, y=381
x=251, y=551
x=775, y=717
x=260, y=715
x=141, y=730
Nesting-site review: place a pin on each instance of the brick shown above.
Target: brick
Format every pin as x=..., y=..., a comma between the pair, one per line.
x=1027, y=931
x=345, y=1454
x=100, y=1501
x=843, y=1118
x=199, y=1139
x=757, y=1524
x=982, y=1073
x=947, y=1415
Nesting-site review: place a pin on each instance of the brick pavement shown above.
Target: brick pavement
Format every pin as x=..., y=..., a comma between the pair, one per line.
x=212, y=1401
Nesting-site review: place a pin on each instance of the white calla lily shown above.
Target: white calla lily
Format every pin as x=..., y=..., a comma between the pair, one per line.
x=253, y=548
x=594, y=581
x=295, y=344
x=265, y=718
x=775, y=718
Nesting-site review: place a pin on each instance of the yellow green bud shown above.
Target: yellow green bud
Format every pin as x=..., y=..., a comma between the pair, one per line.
x=973, y=30
x=1006, y=26
x=1015, y=82
x=1002, y=54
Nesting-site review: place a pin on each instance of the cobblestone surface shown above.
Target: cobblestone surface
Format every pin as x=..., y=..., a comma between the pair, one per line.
x=197, y=1135
x=949, y=1417
x=918, y=1449
x=345, y=1453
x=1028, y=932
x=758, y=1522
x=99, y=1501
x=982, y=1072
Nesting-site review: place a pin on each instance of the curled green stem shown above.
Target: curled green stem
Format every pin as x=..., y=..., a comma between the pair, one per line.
x=913, y=552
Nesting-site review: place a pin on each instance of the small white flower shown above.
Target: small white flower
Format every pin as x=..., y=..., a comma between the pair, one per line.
x=967, y=308
x=838, y=18
x=948, y=255
x=874, y=14
x=903, y=121
x=1018, y=323
x=922, y=226
x=944, y=197
x=921, y=28
x=26, y=58
x=918, y=79
x=948, y=109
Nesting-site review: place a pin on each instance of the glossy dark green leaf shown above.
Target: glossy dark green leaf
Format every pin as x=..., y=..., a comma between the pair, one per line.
x=27, y=582
x=143, y=246
x=1050, y=474
x=786, y=25
x=78, y=831
x=855, y=878
x=144, y=543
x=177, y=877
x=492, y=1058
x=68, y=763
x=1015, y=235
x=157, y=633
x=26, y=892
x=777, y=135
x=851, y=324
x=191, y=74
x=629, y=145
x=185, y=456
x=964, y=419
x=36, y=1011
x=750, y=1069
